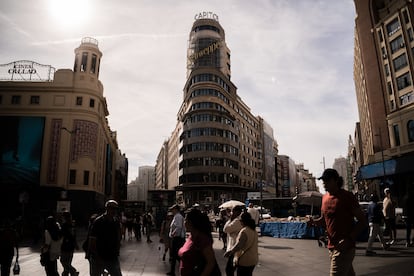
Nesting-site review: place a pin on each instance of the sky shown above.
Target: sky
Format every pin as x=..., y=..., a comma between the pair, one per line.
x=291, y=60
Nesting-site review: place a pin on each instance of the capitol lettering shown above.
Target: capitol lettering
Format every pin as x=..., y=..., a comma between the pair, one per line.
x=206, y=15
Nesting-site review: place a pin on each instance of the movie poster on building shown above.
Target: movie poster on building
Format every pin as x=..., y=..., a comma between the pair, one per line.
x=20, y=150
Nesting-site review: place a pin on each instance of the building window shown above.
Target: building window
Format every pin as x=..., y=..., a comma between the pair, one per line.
x=403, y=81
x=72, y=177
x=392, y=105
x=91, y=103
x=34, y=100
x=78, y=100
x=406, y=98
x=406, y=17
x=400, y=62
x=389, y=88
x=410, y=130
x=410, y=34
x=75, y=66
x=387, y=69
x=397, y=44
x=15, y=99
x=393, y=26
x=93, y=64
x=84, y=61
x=381, y=39
x=86, y=178
x=396, y=135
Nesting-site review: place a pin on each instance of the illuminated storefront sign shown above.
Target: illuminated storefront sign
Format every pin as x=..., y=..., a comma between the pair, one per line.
x=206, y=15
x=206, y=51
x=25, y=70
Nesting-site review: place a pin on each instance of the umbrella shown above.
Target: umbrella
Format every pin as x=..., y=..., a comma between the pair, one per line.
x=231, y=203
x=312, y=198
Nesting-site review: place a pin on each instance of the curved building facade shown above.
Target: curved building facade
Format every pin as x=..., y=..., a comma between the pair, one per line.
x=220, y=141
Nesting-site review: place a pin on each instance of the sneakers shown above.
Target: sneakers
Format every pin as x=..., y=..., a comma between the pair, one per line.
x=370, y=253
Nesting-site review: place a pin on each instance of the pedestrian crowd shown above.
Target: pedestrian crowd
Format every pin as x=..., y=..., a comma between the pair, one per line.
x=185, y=236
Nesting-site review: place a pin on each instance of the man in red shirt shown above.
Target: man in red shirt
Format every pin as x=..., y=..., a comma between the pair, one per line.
x=338, y=212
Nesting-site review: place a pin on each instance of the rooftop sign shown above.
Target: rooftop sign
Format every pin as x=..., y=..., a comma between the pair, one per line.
x=25, y=70
x=206, y=15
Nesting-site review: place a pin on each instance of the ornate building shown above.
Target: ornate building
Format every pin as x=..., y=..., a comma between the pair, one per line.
x=219, y=150
x=57, y=149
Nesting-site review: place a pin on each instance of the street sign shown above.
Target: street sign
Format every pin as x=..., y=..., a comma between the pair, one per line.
x=253, y=195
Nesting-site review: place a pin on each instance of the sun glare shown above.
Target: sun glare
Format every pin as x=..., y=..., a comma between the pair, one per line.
x=69, y=12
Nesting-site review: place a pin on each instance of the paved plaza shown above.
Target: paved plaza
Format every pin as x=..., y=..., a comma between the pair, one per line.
x=277, y=257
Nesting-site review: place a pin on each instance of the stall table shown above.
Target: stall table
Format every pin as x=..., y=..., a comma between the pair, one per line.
x=291, y=230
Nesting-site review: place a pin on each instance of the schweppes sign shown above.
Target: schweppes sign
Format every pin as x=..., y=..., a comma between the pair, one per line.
x=206, y=51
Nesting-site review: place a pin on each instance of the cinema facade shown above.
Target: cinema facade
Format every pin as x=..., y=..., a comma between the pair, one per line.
x=57, y=151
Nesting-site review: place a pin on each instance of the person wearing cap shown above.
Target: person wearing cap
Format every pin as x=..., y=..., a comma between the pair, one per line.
x=338, y=211
x=177, y=235
x=388, y=208
x=105, y=242
x=232, y=229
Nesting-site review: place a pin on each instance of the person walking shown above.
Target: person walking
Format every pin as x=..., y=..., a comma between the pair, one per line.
x=232, y=229
x=177, y=235
x=338, y=212
x=52, y=245
x=8, y=242
x=246, y=249
x=223, y=218
x=254, y=213
x=375, y=219
x=409, y=217
x=68, y=245
x=148, y=222
x=105, y=242
x=164, y=233
x=197, y=254
x=389, y=214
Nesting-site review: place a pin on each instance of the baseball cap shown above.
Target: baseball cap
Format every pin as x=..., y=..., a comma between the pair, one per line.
x=386, y=190
x=111, y=204
x=329, y=174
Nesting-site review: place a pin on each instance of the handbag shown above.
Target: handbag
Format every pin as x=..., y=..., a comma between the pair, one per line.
x=16, y=268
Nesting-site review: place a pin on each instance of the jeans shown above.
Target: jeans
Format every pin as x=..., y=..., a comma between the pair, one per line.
x=66, y=261
x=374, y=231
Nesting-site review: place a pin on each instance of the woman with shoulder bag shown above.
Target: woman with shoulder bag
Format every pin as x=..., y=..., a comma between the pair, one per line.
x=197, y=254
x=51, y=248
x=246, y=252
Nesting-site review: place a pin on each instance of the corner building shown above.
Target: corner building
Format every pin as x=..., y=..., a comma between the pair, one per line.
x=220, y=142
x=383, y=74
x=58, y=151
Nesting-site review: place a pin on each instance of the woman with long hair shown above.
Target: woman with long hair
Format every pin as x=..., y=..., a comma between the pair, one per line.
x=52, y=245
x=197, y=254
x=245, y=251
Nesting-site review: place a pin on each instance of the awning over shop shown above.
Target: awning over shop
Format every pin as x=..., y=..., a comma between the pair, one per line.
x=398, y=165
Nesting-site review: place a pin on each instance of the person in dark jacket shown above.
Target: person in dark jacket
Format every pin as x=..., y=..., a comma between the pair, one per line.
x=105, y=242
x=68, y=245
x=375, y=220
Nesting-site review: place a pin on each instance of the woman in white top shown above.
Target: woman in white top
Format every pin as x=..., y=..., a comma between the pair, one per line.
x=53, y=243
x=246, y=251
